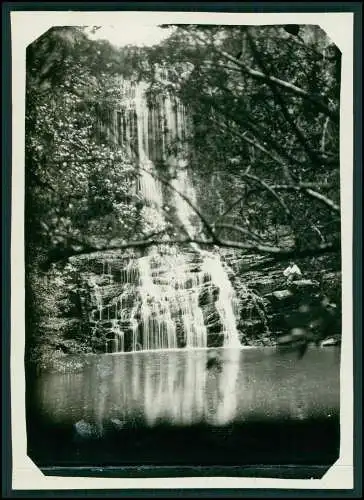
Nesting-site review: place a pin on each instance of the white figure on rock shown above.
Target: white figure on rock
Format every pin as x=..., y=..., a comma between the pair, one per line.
x=292, y=271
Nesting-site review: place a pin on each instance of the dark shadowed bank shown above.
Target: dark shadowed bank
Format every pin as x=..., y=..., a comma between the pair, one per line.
x=300, y=450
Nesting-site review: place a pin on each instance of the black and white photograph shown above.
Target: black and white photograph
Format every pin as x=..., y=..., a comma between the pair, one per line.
x=183, y=247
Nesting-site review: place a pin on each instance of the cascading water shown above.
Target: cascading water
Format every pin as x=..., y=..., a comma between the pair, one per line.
x=160, y=306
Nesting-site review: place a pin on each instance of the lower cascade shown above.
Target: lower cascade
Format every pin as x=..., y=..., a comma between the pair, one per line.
x=173, y=297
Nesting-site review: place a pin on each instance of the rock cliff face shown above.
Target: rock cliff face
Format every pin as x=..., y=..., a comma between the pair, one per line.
x=272, y=308
x=207, y=302
x=98, y=304
x=173, y=302
x=173, y=297
x=165, y=299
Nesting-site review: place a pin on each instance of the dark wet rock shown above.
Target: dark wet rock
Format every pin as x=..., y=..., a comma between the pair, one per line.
x=263, y=286
x=117, y=423
x=209, y=294
x=331, y=342
x=105, y=325
x=84, y=430
x=180, y=333
x=268, y=306
x=251, y=327
x=212, y=319
x=281, y=295
x=215, y=339
x=204, y=297
x=289, y=305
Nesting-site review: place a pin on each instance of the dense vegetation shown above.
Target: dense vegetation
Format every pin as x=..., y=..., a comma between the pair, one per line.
x=264, y=107
x=79, y=188
x=264, y=110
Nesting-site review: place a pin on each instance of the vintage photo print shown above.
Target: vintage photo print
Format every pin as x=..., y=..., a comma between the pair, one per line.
x=182, y=250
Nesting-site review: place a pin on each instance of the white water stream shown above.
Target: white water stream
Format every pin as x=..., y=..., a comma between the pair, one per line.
x=169, y=280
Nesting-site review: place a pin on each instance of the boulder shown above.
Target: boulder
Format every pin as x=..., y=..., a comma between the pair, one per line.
x=305, y=283
x=280, y=296
x=330, y=342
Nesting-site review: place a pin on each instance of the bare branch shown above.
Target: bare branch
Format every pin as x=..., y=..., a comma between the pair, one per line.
x=167, y=183
x=261, y=76
x=265, y=186
x=270, y=190
x=254, y=129
x=306, y=188
x=253, y=143
x=228, y=210
x=275, y=90
x=301, y=185
x=323, y=140
x=278, y=253
x=316, y=229
x=155, y=233
x=323, y=199
x=241, y=230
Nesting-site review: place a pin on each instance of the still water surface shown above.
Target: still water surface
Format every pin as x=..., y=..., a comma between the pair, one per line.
x=183, y=387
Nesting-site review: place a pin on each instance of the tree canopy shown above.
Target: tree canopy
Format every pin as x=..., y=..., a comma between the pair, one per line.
x=263, y=104
x=80, y=187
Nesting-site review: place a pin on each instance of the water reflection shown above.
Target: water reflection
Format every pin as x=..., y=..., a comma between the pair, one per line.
x=181, y=388
x=227, y=387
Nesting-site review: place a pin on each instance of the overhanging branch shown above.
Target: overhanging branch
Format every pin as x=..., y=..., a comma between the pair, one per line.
x=275, y=252
x=276, y=92
x=270, y=190
x=262, y=77
x=239, y=229
x=203, y=219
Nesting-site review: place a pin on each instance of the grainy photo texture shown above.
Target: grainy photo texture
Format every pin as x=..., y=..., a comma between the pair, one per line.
x=183, y=247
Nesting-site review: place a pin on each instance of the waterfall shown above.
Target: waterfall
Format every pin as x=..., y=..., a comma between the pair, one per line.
x=163, y=288
x=227, y=304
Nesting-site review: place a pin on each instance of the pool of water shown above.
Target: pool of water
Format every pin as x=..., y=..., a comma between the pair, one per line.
x=226, y=406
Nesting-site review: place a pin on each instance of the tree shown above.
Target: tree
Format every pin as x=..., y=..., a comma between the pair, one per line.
x=267, y=124
x=80, y=186
x=278, y=142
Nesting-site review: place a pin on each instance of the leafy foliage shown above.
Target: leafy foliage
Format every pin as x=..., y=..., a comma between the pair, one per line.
x=263, y=107
x=265, y=103
x=80, y=187
x=79, y=184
